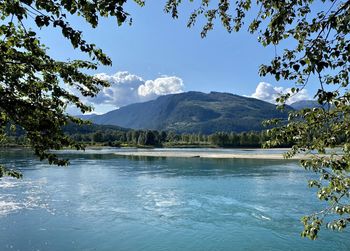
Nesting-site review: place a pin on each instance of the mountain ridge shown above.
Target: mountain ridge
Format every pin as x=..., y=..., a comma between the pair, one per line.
x=302, y=104
x=194, y=112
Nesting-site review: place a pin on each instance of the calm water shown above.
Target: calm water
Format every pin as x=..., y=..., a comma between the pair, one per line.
x=103, y=202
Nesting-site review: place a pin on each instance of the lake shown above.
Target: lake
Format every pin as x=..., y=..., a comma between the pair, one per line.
x=107, y=202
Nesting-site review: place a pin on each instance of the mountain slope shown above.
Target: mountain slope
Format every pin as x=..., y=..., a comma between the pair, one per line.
x=193, y=112
x=305, y=104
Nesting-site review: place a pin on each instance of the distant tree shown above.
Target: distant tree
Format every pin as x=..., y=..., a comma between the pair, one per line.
x=150, y=138
x=121, y=136
x=253, y=139
x=141, y=141
x=319, y=51
x=135, y=137
x=220, y=139
x=97, y=137
x=234, y=139
x=163, y=136
x=243, y=139
x=157, y=140
x=172, y=137
x=129, y=136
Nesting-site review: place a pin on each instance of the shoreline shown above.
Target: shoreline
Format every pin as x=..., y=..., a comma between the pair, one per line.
x=208, y=155
x=245, y=153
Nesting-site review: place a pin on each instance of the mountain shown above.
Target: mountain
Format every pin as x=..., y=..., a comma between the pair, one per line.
x=86, y=116
x=193, y=112
x=305, y=104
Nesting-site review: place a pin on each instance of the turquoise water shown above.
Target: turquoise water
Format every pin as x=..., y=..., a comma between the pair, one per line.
x=104, y=202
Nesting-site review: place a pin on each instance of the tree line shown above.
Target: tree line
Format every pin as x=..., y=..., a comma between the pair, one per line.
x=154, y=138
x=94, y=135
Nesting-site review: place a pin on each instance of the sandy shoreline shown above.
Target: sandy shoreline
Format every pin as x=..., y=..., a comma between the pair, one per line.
x=183, y=154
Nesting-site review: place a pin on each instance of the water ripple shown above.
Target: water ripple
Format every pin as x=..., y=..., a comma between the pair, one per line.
x=24, y=194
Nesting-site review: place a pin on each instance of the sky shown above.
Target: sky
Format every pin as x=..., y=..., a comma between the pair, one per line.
x=158, y=55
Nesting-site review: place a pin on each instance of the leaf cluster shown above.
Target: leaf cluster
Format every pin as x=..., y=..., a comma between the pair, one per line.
x=34, y=87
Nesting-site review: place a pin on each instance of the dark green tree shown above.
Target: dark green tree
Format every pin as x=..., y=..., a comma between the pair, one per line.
x=150, y=138
x=32, y=84
x=141, y=141
x=135, y=137
x=129, y=137
x=97, y=137
x=163, y=136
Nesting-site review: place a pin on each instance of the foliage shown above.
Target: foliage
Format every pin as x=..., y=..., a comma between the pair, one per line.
x=105, y=135
x=32, y=96
x=116, y=136
x=167, y=139
x=33, y=85
x=319, y=51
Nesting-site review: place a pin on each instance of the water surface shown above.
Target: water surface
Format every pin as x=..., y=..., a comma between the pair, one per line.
x=105, y=202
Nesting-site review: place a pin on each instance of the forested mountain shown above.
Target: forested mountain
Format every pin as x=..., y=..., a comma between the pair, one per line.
x=305, y=104
x=194, y=112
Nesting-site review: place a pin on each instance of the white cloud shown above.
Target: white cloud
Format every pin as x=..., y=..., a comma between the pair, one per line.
x=161, y=86
x=126, y=88
x=269, y=93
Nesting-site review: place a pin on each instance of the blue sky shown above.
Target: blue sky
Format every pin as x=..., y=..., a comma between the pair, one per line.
x=156, y=45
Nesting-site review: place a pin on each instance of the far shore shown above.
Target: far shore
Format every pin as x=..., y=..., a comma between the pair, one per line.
x=199, y=154
x=206, y=153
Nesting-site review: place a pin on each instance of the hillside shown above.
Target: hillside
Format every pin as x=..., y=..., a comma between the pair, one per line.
x=193, y=112
x=305, y=104
x=85, y=129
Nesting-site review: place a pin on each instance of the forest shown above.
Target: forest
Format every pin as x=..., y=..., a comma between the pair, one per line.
x=114, y=136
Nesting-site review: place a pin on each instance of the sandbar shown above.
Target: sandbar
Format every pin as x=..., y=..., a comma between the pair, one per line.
x=212, y=155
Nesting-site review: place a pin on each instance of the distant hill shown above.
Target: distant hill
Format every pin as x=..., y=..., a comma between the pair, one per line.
x=193, y=112
x=86, y=117
x=305, y=104
x=85, y=129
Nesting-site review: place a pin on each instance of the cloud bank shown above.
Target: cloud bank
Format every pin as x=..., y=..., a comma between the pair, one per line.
x=269, y=93
x=126, y=88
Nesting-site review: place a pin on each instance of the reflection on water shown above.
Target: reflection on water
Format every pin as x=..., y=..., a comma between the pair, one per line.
x=104, y=202
x=33, y=195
